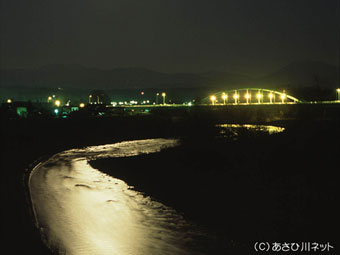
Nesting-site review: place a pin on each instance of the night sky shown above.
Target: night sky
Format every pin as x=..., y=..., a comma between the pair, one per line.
x=244, y=36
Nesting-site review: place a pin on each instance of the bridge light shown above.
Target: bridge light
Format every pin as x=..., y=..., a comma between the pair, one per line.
x=259, y=97
x=247, y=96
x=271, y=97
x=283, y=97
x=236, y=97
x=213, y=99
x=224, y=97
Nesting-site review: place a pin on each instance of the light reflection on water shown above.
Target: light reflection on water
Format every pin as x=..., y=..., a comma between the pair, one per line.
x=262, y=128
x=80, y=210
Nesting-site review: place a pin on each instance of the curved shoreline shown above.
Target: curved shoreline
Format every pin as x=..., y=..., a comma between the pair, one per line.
x=90, y=153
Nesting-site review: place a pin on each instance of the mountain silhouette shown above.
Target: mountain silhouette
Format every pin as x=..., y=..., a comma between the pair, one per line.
x=303, y=74
x=296, y=74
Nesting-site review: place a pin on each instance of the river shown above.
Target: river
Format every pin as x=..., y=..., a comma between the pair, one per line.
x=80, y=210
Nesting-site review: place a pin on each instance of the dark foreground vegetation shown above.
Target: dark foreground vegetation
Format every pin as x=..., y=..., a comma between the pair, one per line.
x=258, y=187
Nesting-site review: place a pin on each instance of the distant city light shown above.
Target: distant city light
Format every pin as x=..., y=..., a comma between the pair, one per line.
x=81, y=105
x=57, y=103
x=9, y=100
x=142, y=93
x=163, y=95
x=56, y=111
x=49, y=99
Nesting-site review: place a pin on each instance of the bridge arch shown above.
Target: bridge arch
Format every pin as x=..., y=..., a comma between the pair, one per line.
x=250, y=96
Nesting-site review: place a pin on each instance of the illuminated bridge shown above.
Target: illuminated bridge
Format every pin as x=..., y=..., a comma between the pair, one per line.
x=250, y=96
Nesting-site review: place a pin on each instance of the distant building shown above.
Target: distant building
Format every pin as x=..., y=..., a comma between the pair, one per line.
x=98, y=97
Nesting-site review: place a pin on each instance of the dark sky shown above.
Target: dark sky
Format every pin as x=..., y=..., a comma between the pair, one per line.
x=245, y=36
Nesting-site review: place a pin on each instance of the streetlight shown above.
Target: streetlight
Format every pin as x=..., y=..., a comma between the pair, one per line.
x=81, y=105
x=224, y=97
x=236, y=96
x=213, y=99
x=283, y=97
x=90, y=96
x=271, y=97
x=157, y=98
x=247, y=96
x=259, y=96
x=49, y=99
x=9, y=100
x=163, y=95
x=338, y=94
x=57, y=103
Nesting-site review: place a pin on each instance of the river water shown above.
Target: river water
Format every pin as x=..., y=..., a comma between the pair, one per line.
x=80, y=210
